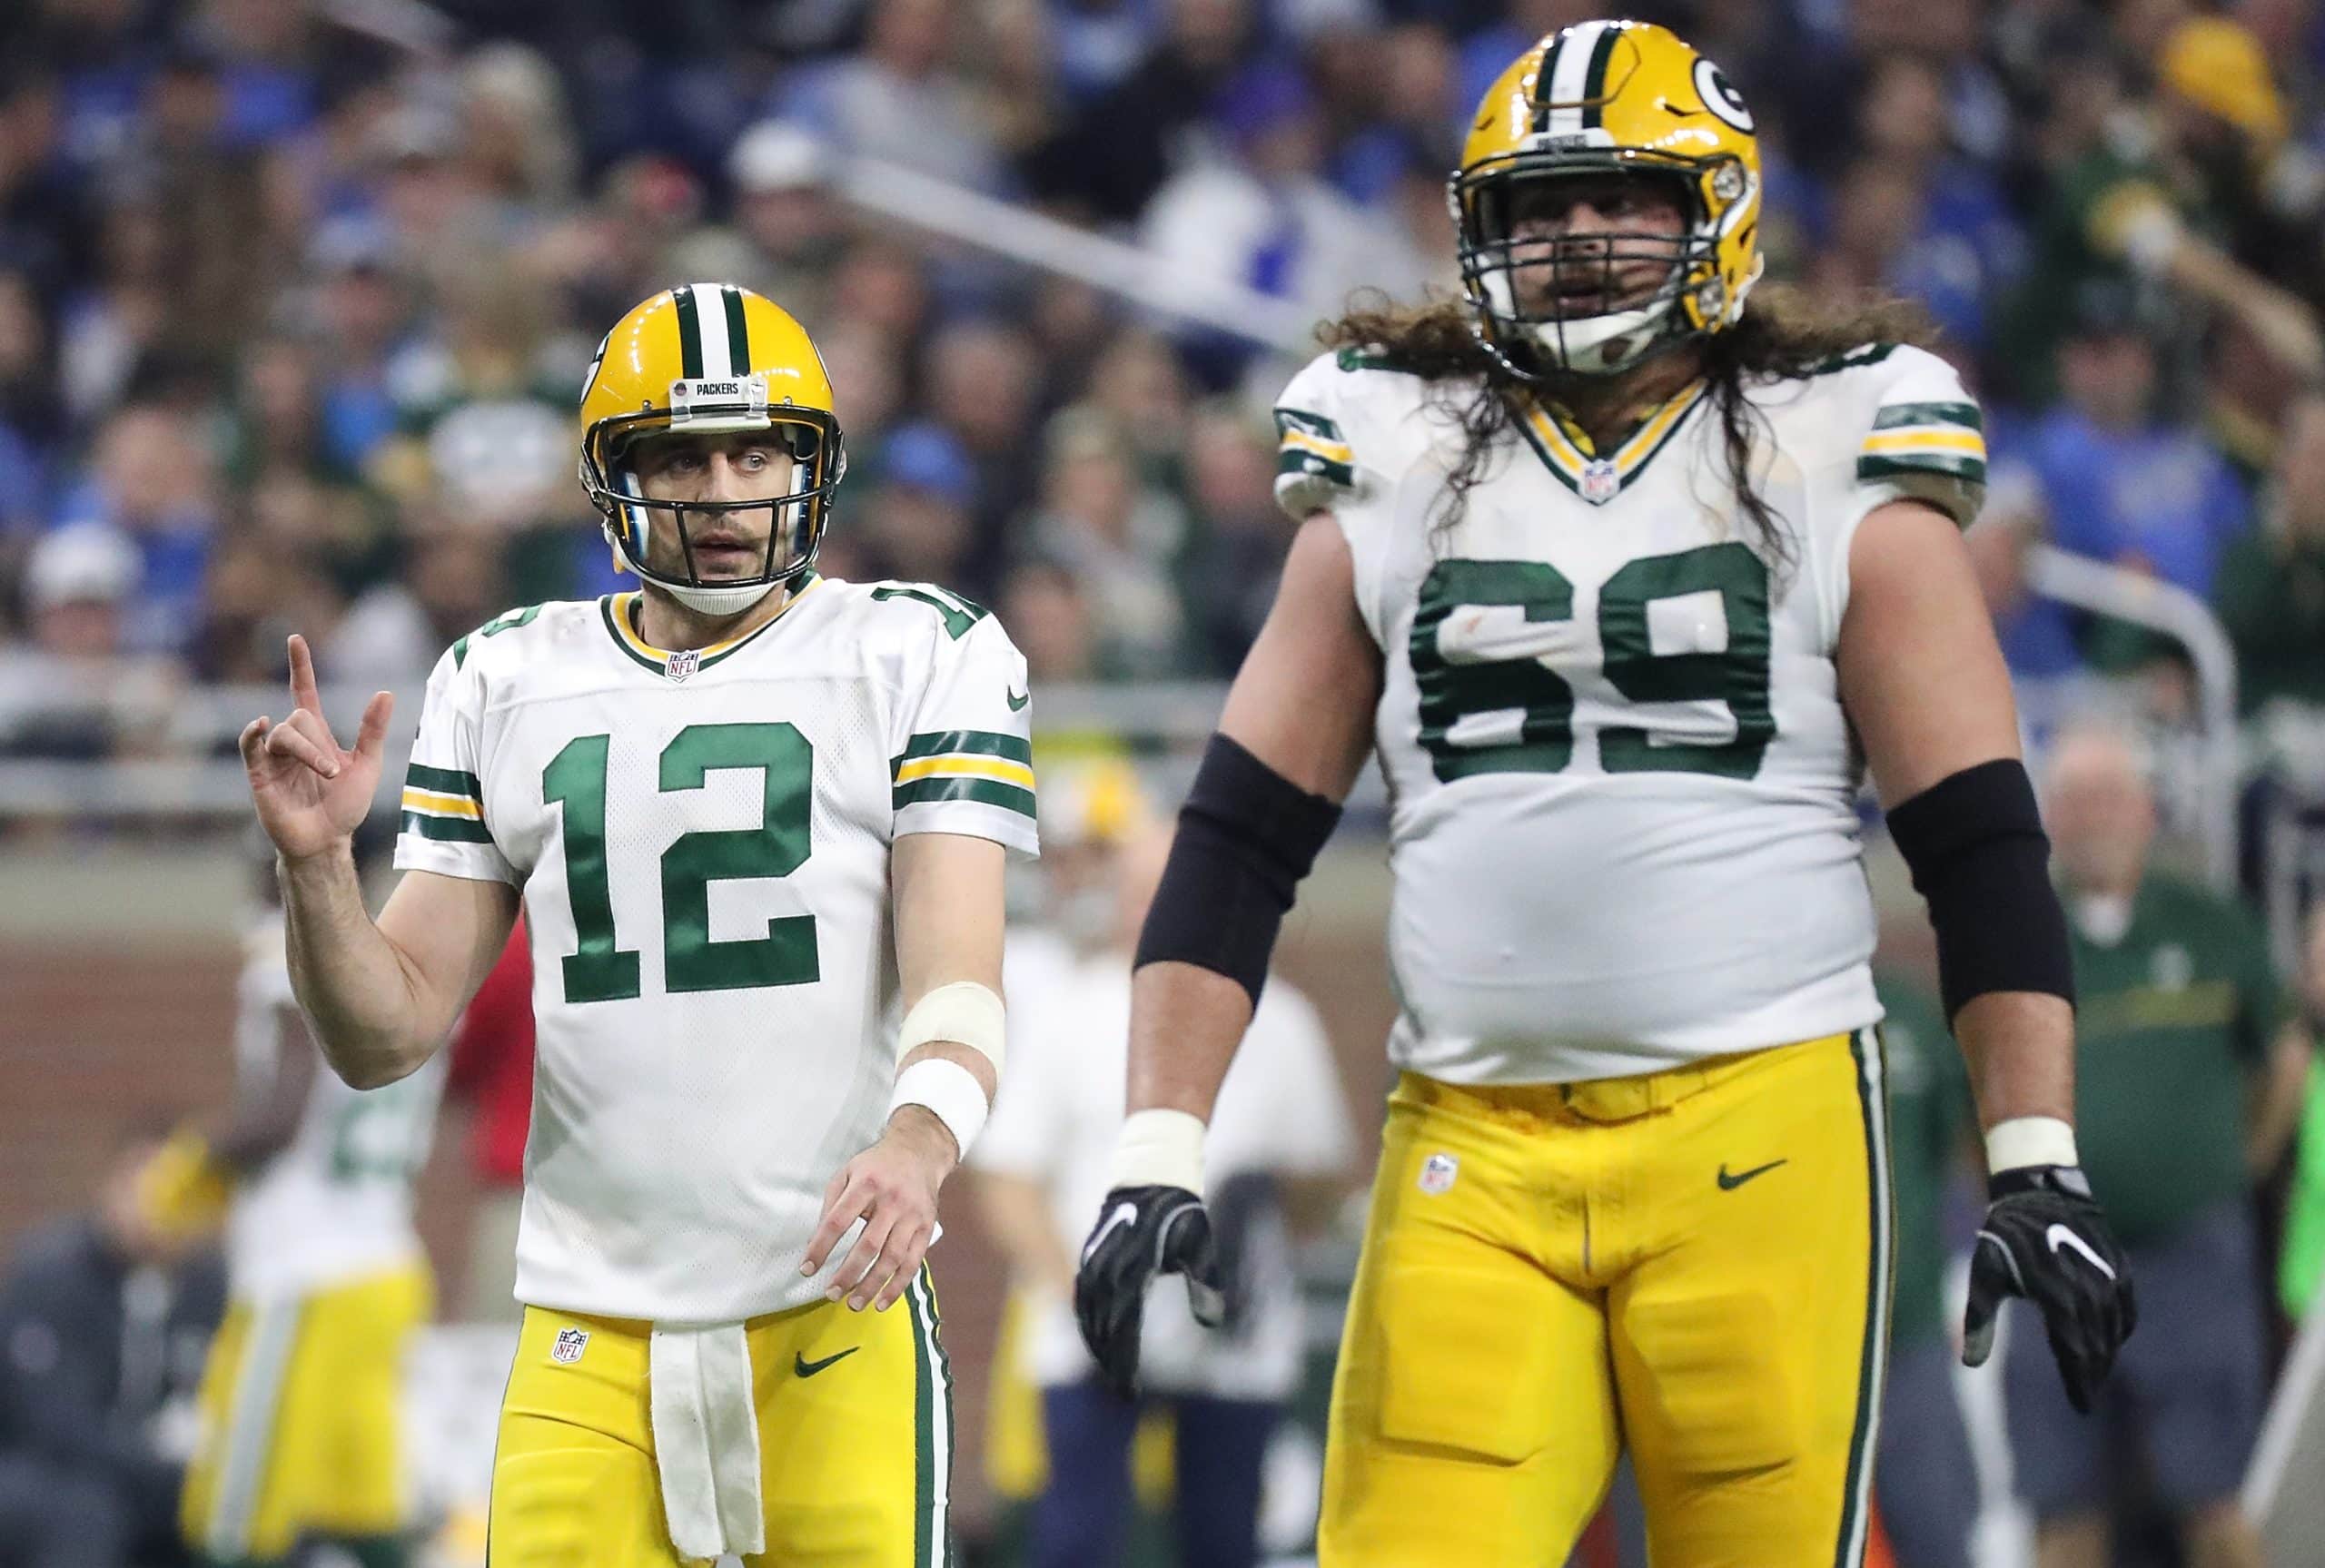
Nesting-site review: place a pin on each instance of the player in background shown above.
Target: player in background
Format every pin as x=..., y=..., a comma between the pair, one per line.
x=1625, y=580
x=1278, y=1154
x=758, y=820
x=300, y=1439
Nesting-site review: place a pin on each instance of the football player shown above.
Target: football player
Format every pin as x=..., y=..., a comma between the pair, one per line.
x=301, y=1438
x=1625, y=572
x=758, y=820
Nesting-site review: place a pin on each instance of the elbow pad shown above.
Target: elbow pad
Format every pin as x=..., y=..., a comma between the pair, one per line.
x=1975, y=845
x=1246, y=837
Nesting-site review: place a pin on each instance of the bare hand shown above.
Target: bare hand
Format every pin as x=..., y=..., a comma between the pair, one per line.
x=891, y=1188
x=311, y=795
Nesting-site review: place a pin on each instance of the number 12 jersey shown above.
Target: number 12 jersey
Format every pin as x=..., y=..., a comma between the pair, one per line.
x=702, y=839
x=1623, y=830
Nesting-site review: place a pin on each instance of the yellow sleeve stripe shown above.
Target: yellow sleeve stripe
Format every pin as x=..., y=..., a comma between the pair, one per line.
x=442, y=804
x=1331, y=452
x=961, y=765
x=1924, y=439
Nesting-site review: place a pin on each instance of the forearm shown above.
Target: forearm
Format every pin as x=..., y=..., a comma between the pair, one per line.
x=2280, y=1092
x=357, y=988
x=1185, y=1024
x=1017, y=1212
x=2020, y=1046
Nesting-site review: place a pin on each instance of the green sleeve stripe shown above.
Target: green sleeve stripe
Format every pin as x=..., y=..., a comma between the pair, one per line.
x=1293, y=461
x=991, y=791
x=1312, y=424
x=1896, y=415
x=979, y=743
x=447, y=829
x=443, y=781
x=1956, y=465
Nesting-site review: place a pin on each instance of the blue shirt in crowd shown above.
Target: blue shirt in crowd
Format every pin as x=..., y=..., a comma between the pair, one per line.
x=2158, y=494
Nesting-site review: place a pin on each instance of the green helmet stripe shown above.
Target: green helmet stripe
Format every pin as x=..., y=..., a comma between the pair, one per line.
x=1594, y=80
x=738, y=331
x=689, y=332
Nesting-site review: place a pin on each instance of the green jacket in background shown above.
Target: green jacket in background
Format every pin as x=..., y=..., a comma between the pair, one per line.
x=2272, y=599
x=1929, y=1111
x=2170, y=1022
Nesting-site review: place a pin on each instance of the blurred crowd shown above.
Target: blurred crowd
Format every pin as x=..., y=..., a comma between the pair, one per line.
x=296, y=295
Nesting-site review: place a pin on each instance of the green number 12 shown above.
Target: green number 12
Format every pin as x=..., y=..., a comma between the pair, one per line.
x=598, y=970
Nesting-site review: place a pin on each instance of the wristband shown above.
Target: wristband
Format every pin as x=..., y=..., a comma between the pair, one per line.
x=2025, y=1141
x=948, y=1091
x=961, y=1012
x=1159, y=1148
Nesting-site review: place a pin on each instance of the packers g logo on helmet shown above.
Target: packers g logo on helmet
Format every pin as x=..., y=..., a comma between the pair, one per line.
x=1600, y=97
x=708, y=359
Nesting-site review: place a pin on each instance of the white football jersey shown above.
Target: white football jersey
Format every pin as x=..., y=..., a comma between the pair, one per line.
x=1624, y=833
x=1278, y=1111
x=334, y=1205
x=702, y=839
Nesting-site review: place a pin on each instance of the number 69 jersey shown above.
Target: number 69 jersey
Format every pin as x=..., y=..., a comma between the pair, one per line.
x=702, y=839
x=1624, y=833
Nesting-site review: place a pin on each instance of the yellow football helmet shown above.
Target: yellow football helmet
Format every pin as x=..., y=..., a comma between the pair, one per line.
x=707, y=358
x=1600, y=97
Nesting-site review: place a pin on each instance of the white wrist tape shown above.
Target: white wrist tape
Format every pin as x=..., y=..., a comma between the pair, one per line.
x=2025, y=1141
x=962, y=1013
x=1159, y=1148
x=949, y=1091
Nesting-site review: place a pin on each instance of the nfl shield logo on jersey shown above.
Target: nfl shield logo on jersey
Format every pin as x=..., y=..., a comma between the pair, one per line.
x=683, y=663
x=570, y=1343
x=1600, y=482
x=1437, y=1174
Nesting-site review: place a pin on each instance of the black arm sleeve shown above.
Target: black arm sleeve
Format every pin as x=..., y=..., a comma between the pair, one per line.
x=1975, y=845
x=1246, y=837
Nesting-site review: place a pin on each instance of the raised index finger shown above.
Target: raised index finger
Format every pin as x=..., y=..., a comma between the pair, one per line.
x=303, y=677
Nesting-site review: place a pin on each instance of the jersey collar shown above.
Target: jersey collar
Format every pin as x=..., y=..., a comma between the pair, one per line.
x=1567, y=452
x=619, y=612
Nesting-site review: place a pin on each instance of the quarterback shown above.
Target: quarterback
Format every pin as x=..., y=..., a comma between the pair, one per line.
x=1626, y=573
x=758, y=820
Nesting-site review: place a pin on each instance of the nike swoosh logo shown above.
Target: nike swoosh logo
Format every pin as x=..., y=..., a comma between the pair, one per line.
x=1017, y=700
x=806, y=1369
x=2060, y=1236
x=1122, y=1215
x=1730, y=1183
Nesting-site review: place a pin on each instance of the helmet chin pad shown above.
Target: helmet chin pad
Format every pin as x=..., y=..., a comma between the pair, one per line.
x=1604, y=345
x=728, y=601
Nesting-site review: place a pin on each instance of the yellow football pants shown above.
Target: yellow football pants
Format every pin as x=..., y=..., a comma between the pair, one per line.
x=856, y=1439
x=302, y=1431
x=1693, y=1266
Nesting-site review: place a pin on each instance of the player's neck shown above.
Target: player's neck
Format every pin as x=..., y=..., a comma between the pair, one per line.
x=1608, y=411
x=665, y=623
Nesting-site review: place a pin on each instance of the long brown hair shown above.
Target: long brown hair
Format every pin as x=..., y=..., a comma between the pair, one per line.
x=1784, y=333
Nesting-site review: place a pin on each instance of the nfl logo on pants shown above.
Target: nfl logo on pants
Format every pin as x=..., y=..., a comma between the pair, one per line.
x=568, y=1347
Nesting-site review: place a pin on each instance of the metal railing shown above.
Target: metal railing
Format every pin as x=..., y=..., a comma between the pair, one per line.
x=204, y=779
x=202, y=782
x=1043, y=243
x=2173, y=612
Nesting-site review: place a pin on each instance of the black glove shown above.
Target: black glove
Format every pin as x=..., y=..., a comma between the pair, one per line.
x=1246, y=1214
x=2045, y=1239
x=1142, y=1231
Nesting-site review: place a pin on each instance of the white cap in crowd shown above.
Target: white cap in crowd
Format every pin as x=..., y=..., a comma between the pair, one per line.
x=85, y=562
x=778, y=155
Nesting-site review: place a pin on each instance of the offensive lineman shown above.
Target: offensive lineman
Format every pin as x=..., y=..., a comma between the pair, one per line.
x=1626, y=583
x=753, y=815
